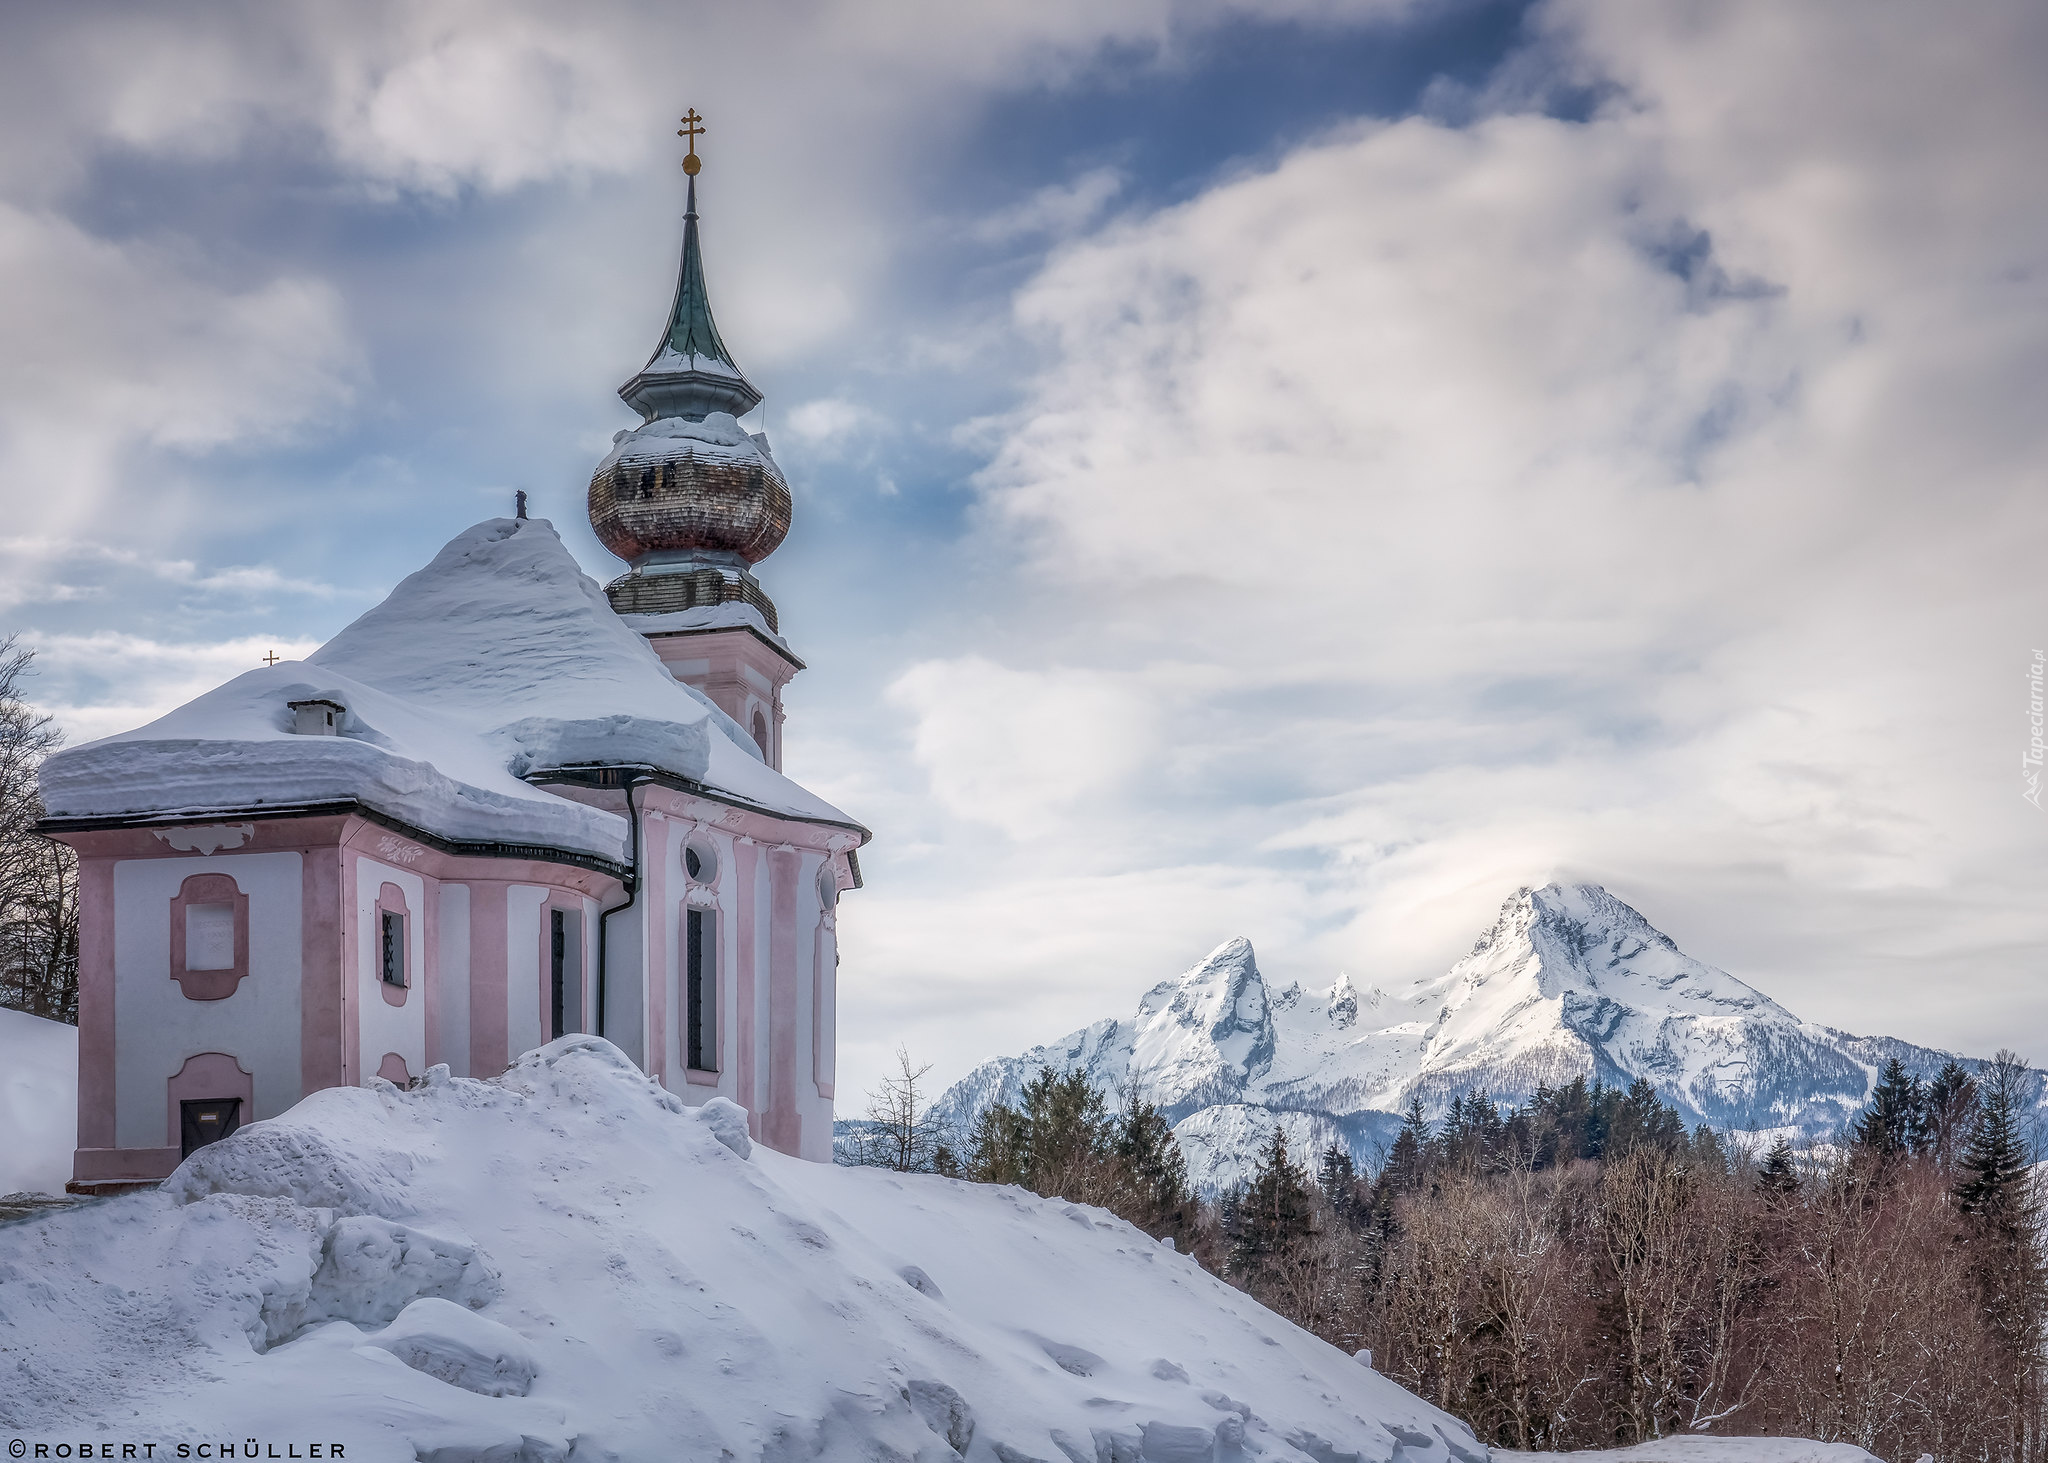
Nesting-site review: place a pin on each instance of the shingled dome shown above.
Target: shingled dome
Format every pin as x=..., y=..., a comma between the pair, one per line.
x=691, y=499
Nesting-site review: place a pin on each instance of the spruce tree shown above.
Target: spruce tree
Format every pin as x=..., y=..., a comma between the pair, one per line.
x=1152, y=1191
x=1338, y=1177
x=1948, y=1111
x=1274, y=1216
x=1065, y=1134
x=1889, y=1128
x=2002, y=1208
x=1407, y=1161
x=1992, y=1185
x=1778, y=1175
x=996, y=1148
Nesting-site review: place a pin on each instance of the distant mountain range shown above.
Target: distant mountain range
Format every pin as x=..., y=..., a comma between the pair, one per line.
x=1568, y=982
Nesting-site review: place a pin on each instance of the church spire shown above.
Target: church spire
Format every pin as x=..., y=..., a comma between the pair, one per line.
x=691, y=373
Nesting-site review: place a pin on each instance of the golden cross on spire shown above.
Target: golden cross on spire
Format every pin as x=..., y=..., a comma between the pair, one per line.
x=691, y=130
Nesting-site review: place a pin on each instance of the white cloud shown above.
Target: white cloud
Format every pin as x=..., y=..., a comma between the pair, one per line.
x=133, y=350
x=112, y=681
x=1058, y=210
x=1024, y=750
x=827, y=424
x=1653, y=499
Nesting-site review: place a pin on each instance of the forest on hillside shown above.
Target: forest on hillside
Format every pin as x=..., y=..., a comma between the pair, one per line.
x=1581, y=1271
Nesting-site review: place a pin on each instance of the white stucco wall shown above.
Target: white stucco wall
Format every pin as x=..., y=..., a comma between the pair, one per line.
x=522, y=966
x=451, y=977
x=156, y=1027
x=387, y=1028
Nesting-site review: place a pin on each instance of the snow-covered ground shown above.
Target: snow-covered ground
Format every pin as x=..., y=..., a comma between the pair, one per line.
x=1705, y=1450
x=38, y=1102
x=565, y=1260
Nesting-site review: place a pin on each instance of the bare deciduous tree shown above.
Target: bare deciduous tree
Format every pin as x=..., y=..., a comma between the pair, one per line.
x=38, y=877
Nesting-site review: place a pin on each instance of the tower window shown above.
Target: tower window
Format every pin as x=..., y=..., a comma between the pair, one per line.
x=761, y=732
x=565, y=972
x=392, y=962
x=700, y=988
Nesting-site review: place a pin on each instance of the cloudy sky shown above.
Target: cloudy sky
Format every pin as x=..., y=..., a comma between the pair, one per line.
x=1297, y=469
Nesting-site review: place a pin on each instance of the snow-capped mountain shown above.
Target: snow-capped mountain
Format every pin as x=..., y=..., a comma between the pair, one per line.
x=1568, y=982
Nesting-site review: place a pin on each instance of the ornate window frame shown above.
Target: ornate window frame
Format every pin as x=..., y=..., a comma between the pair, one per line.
x=213, y=888
x=391, y=900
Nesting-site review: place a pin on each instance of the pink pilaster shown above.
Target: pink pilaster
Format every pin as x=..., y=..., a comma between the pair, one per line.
x=746, y=1080
x=320, y=968
x=95, y=1003
x=653, y=913
x=783, y=1128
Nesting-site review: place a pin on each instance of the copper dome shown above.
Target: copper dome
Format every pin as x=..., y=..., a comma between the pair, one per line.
x=680, y=485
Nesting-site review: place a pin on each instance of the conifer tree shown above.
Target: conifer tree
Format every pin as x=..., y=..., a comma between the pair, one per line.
x=1992, y=1182
x=1889, y=1128
x=1778, y=1175
x=1948, y=1112
x=1154, y=1174
x=1338, y=1179
x=1407, y=1161
x=2001, y=1202
x=996, y=1147
x=1275, y=1216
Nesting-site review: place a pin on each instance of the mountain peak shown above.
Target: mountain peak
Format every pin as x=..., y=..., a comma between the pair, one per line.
x=1568, y=982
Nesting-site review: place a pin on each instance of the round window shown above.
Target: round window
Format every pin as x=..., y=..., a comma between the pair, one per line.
x=700, y=862
x=828, y=887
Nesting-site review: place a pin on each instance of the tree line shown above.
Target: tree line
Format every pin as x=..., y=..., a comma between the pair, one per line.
x=1580, y=1270
x=38, y=876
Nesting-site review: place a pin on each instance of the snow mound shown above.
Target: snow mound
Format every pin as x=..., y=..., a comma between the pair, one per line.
x=460, y=1348
x=38, y=1102
x=498, y=660
x=567, y=1259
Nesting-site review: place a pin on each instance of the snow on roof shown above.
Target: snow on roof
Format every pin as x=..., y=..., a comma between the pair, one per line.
x=718, y=436
x=499, y=659
x=732, y=614
x=638, y=1285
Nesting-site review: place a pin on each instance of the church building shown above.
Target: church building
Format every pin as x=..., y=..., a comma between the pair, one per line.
x=503, y=806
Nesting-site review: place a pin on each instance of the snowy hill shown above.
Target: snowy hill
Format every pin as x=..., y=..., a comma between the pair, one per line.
x=566, y=1261
x=38, y=1102
x=1568, y=982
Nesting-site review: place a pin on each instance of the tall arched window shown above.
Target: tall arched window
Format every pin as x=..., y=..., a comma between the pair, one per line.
x=761, y=731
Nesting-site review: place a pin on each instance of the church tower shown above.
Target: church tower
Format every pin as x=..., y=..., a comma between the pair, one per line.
x=692, y=501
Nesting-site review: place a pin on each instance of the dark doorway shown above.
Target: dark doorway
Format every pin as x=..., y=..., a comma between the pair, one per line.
x=207, y=1120
x=558, y=960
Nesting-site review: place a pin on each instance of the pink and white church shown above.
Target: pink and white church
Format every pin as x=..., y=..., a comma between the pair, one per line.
x=503, y=806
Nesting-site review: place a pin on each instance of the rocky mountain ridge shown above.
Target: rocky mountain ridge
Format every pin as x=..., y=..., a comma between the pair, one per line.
x=1569, y=981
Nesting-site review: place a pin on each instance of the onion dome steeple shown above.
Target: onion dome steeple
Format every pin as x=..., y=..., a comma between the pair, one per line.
x=690, y=498
x=691, y=372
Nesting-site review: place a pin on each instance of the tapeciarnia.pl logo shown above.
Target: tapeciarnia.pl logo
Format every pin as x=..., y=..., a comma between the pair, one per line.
x=2037, y=747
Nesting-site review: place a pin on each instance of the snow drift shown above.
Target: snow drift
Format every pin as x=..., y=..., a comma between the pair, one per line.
x=38, y=1102
x=565, y=1261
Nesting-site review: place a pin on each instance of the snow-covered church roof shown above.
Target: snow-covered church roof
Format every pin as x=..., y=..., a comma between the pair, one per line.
x=497, y=661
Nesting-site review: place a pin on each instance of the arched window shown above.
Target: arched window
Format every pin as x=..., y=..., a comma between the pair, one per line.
x=761, y=731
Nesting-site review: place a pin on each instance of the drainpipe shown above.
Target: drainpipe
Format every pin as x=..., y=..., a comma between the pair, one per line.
x=632, y=882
